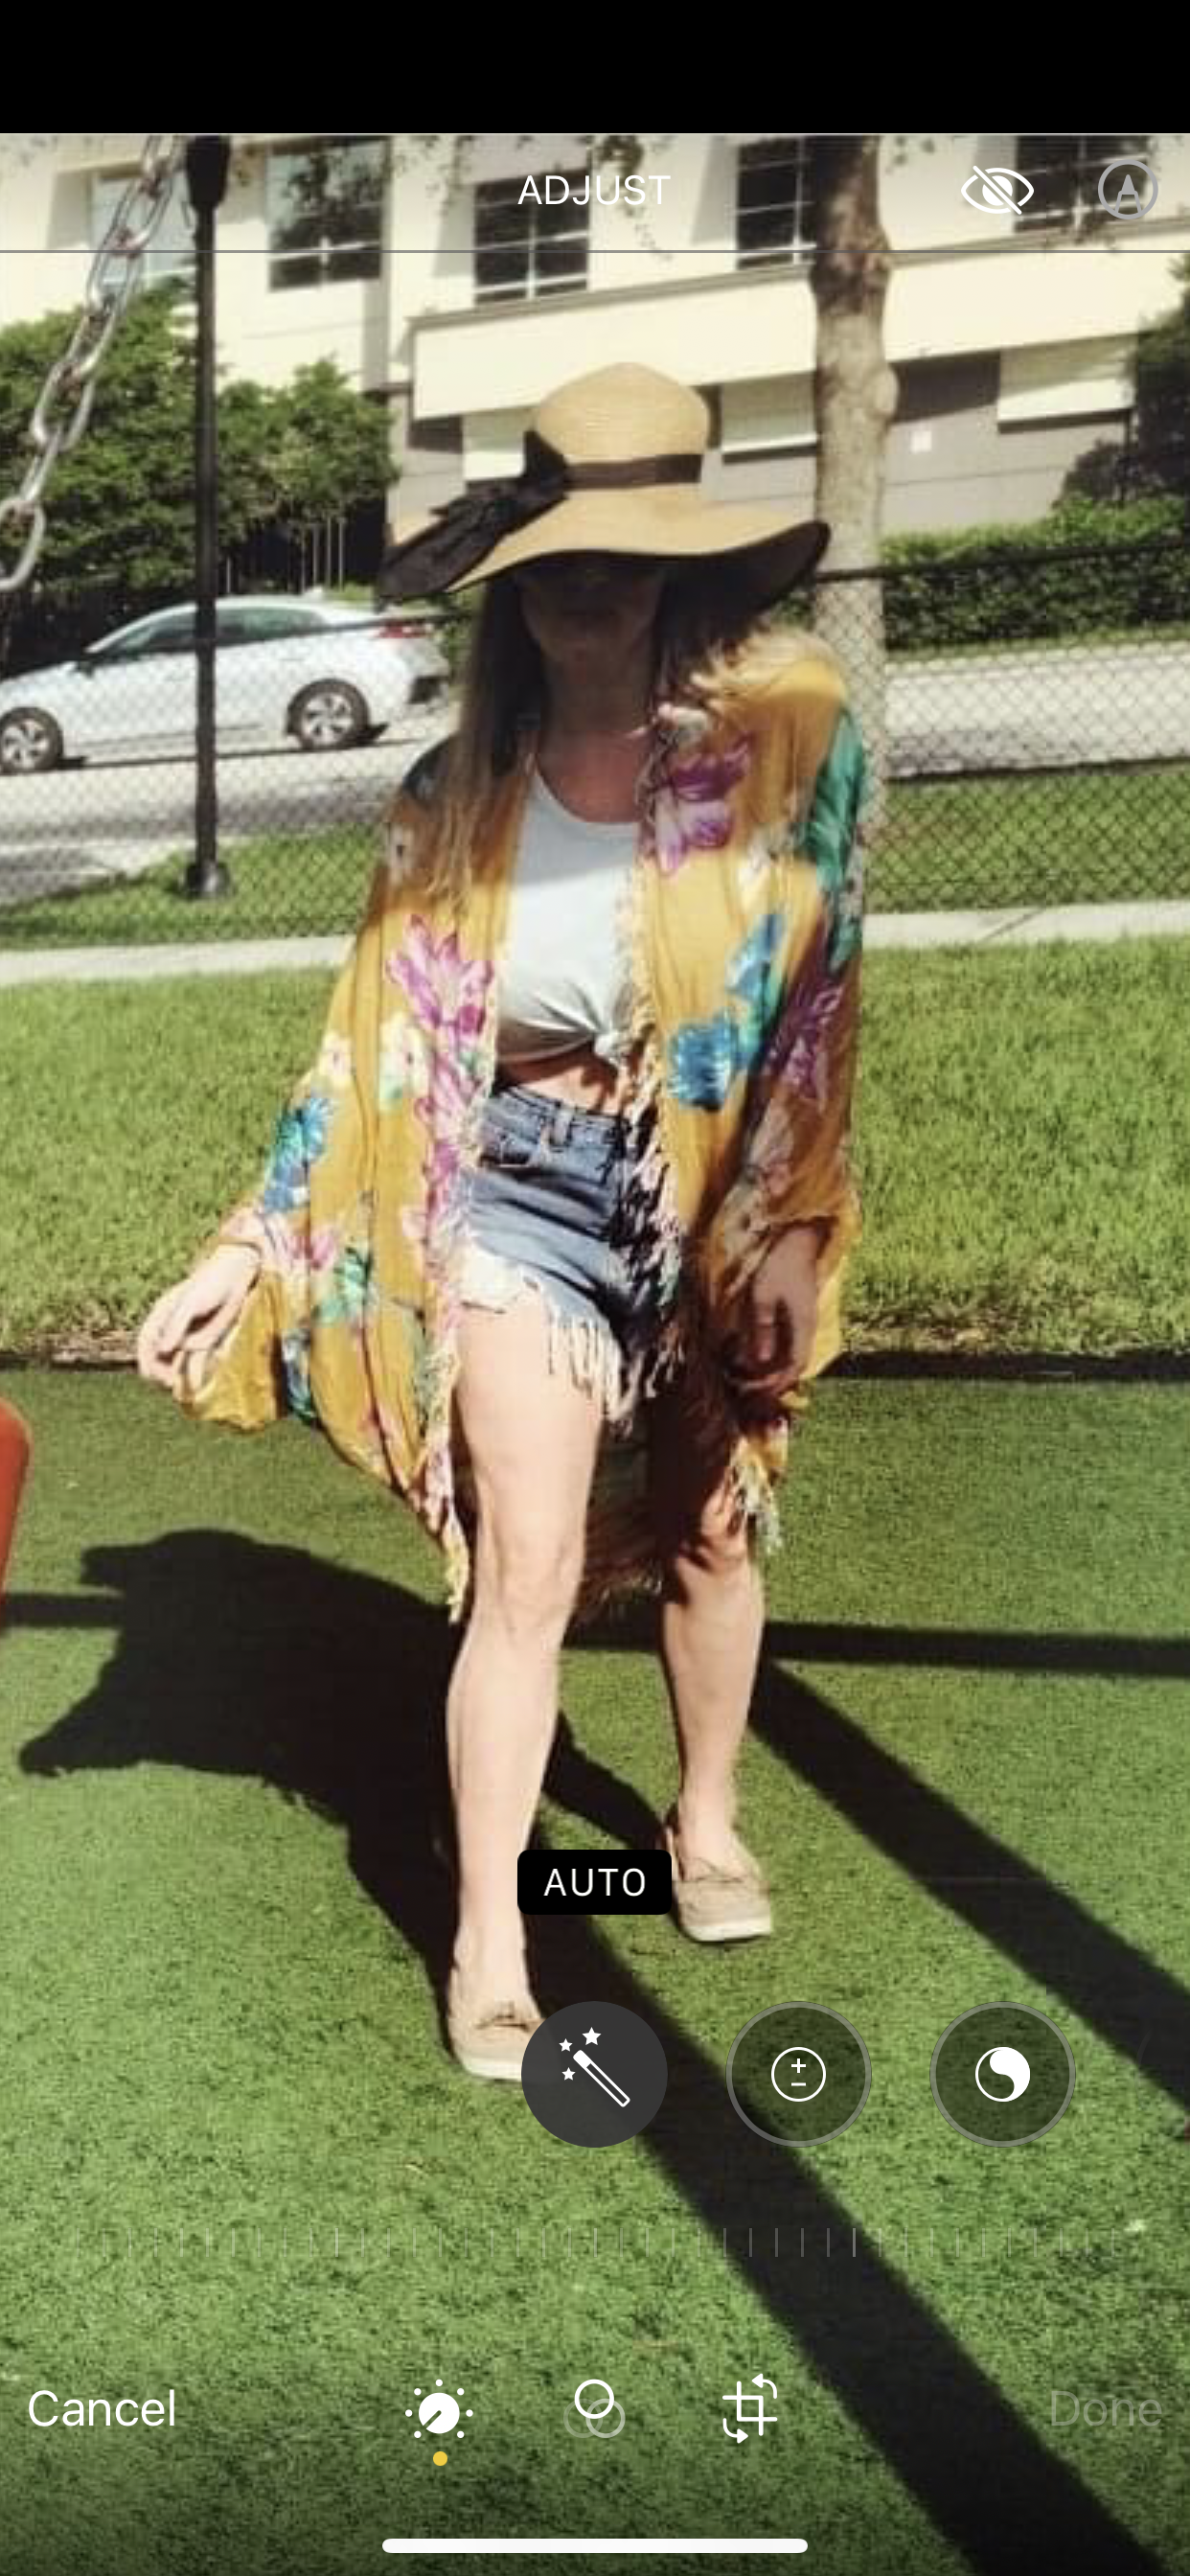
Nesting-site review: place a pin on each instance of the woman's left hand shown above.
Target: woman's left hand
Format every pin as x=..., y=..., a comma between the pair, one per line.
x=771, y=1349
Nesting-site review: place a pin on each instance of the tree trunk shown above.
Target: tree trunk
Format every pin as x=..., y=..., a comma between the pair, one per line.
x=855, y=397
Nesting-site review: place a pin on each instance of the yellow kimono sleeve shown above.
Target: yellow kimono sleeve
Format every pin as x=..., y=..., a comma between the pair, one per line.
x=795, y=1164
x=261, y=1369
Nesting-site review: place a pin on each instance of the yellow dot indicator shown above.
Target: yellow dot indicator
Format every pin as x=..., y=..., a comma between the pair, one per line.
x=440, y=2459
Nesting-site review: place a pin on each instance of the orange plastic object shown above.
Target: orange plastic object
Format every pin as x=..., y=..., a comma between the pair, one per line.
x=14, y=1459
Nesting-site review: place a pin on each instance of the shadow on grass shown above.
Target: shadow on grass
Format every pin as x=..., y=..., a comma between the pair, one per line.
x=249, y=1660
x=1077, y=1368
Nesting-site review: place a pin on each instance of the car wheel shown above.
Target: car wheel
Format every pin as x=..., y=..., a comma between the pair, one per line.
x=331, y=716
x=28, y=740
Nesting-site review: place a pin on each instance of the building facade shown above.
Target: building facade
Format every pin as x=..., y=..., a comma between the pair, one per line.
x=456, y=278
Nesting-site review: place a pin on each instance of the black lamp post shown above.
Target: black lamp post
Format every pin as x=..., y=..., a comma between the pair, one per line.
x=207, y=157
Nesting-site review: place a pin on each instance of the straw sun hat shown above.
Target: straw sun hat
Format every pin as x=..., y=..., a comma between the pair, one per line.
x=612, y=465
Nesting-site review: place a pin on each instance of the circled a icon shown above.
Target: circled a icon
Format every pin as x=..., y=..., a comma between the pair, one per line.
x=804, y=2076
x=1125, y=207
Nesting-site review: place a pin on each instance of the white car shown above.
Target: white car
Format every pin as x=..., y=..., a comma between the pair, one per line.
x=311, y=670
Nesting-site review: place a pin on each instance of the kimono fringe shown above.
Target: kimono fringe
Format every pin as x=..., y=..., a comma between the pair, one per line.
x=652, y=1245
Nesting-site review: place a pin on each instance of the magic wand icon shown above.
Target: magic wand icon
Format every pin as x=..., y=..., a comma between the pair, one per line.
x=598, y=2077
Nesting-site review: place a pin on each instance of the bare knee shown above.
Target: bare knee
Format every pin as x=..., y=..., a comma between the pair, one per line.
x=527, y=1580
x=715, y=1546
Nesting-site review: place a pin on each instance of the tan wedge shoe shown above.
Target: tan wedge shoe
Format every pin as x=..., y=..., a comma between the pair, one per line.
x=719, y=1904
x=490, y=2039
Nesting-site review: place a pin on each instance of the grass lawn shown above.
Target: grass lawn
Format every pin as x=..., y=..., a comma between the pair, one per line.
x=224, y=1918
x=1095, y=836
x=1023, y=1143
x=1101, y=836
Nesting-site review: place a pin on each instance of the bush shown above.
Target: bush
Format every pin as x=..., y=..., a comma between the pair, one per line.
x=994, y=597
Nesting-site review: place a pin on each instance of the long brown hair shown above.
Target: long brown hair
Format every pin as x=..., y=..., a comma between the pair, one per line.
x=709, y=647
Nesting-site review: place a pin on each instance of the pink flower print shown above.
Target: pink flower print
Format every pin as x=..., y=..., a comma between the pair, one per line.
x=324, y=1247
x=441, y=1169
x=691, y=809
x=447, y=993
x=799, y=1058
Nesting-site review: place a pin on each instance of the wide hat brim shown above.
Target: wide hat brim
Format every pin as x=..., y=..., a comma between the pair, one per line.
x=773, y=551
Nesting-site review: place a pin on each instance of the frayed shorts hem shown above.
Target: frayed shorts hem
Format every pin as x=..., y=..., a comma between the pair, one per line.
x=582, y=1345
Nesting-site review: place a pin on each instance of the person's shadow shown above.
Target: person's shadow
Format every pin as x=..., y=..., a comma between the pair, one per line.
x=236, y=1657
x=241, y=1658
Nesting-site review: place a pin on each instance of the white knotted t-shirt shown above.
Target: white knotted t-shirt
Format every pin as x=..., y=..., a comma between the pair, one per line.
x=563, y=963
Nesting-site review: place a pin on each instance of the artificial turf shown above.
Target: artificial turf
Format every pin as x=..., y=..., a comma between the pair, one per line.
x=225, y=1910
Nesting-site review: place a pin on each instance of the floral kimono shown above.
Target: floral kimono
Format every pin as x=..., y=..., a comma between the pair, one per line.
x=739, y=1022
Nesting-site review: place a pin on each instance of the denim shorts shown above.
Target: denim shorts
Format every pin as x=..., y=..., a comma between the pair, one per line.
x=547, y=1208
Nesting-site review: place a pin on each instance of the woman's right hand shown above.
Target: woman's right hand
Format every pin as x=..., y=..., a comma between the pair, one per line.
x=189, y=1319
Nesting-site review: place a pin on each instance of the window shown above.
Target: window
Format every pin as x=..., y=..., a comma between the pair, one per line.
x=326, y=211
x=171, y=633
x=776, y=202
x=1083, y=380
x=767, y=416
x=172, y=253
x=530, y=249
x=263, y=624
x=1066, y=169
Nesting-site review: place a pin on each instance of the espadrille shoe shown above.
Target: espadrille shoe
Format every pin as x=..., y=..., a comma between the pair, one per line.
x=490, y=2039
x=714, y=1904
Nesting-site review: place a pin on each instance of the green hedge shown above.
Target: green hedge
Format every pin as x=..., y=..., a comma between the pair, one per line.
x=969, y=585
x=995, y=598
x=991, y=600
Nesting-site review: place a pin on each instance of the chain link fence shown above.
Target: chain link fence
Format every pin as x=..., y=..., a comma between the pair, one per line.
x=1028, y=717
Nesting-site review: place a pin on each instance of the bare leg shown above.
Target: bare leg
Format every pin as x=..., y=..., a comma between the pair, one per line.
x=712, y=1625
x=532, y=1437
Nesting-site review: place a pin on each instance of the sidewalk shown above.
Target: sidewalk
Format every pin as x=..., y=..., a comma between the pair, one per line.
x=1010, y=929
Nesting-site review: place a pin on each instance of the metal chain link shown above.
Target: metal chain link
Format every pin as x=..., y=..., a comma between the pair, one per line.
x=63, y=406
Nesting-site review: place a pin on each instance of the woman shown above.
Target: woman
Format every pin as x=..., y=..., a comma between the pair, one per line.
x=552, y=1232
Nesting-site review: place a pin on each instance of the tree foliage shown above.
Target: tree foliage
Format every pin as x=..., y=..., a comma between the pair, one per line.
x=121, y=506
x=1158, y=456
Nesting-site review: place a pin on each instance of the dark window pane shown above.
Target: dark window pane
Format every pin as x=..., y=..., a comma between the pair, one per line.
x=560, y=264
x=762, y=235
x=774, y=214
x=295, y=272
x=301, y=232
x=265, y=625
x=1066, y=169
x=496, y=225
x=530, y=249
x=1102, y=148
x=502, y=272
x=768, y=183
x=327, y=200
x=360, y=259
x=174, y=635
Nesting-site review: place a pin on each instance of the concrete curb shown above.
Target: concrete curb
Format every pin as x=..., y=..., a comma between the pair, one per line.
x=1168, y=919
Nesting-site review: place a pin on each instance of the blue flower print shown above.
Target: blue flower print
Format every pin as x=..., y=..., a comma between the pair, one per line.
x=302, y=1131
x=704, y=1059
x=295, y=1362
x=705, y=1056
x=352, y=1295
x=757, y=981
